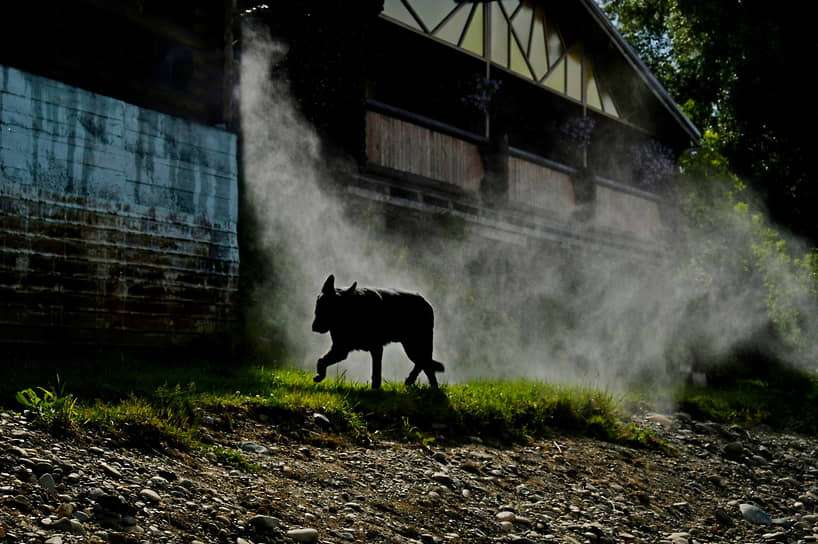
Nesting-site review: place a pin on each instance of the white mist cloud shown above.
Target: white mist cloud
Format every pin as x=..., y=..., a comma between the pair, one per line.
x=587, y=318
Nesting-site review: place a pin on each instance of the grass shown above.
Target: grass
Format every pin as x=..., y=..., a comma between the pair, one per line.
x=151, y=404
x=783, y=398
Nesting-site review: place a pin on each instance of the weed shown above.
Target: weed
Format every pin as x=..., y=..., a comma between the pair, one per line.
x=54, y=410
x=236, y=460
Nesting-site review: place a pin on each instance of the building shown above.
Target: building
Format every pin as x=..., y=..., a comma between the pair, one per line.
x=531, y=122
x=118, y=175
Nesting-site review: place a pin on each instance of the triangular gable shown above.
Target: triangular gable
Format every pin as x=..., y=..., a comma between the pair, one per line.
x=516, y=35
x=520, y=36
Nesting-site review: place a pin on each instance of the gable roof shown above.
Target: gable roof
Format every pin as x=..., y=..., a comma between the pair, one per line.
x=647, y=76
x=544, y=43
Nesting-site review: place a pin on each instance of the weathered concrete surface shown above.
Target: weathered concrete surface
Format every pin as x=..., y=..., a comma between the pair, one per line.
x=117, y=224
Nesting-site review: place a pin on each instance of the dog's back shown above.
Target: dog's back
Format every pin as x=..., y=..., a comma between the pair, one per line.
x=381, y=316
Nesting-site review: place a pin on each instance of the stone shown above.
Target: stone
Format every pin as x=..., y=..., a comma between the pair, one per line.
x=733, y=450
x=253, y=447
x=68, y=525
x=47, y=481
x=150, y=495
x=443, y=478
x=754, y=514
x=265, y=523
x=506, y=515
x=111, y=470
x=303, y=535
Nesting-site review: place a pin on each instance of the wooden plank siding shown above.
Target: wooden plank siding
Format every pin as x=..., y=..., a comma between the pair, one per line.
x=536, y=185
x=407, y=147
x=627, y=213
x=118, y=225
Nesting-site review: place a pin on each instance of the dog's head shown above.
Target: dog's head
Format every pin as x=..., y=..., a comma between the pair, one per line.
x=328, y=307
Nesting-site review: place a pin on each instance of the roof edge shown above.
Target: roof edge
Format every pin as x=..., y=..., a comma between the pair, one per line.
x=647, y=76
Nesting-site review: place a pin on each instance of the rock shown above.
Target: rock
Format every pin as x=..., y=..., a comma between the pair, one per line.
x=660, y=419
x=444, y=479
x=723, y=517
x=42, y=466
x=253, y=447
x=47, y=481
x=111, y=470
x=733, y=451
x=150, y=495
x=265, y=523
x=754, y=514
x=321, y=420
x=158, y=482
x=69, y=526
x=506, y=515
x=303, y=535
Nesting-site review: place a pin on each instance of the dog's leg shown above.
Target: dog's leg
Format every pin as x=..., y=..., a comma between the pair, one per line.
x=333, y=356
x=419, y=352
x=377, y=358
x=413, y=375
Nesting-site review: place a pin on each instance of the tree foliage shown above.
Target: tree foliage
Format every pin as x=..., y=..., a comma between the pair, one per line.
x=741, y=69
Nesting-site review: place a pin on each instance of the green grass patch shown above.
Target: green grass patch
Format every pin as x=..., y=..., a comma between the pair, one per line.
x=236, y=460
x=145, y=405
x=785, y=399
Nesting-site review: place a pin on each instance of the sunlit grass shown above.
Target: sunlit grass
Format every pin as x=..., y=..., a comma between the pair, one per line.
x=144, y=410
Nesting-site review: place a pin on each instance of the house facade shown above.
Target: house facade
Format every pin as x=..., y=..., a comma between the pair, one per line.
x=531, y=121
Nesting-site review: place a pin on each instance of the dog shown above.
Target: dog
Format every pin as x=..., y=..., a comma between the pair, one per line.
x=359, y=318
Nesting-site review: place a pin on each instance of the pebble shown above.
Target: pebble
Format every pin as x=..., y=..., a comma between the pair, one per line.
x=47, y=481
x=150, y=495
x=754, y=514
x=265, y=523
x=443, y=478
x=566, y=490
x=506, y=515
x=112, y=471
x=303, y=535
x=253, y=447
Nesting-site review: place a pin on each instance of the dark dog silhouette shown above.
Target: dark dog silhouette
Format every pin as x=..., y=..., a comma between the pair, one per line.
x=358, y=318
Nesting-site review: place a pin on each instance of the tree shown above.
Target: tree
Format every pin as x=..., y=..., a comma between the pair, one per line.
x=742, y=69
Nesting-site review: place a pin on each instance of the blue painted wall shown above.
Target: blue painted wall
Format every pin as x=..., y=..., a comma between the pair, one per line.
x=118, y=225
x=68, y=140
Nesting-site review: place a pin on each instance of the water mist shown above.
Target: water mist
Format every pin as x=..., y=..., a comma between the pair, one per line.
x=577, y=316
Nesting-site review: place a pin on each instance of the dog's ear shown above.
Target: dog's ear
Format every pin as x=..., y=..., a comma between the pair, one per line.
x=351, y=288
x=329, y=286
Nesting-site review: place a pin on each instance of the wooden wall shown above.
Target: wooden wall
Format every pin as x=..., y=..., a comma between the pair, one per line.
x=533, y=185
x=619, y=211
x=117, y=223
x=407, y=147
x=545, y=188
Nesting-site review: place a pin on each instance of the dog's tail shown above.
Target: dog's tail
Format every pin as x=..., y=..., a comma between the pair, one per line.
x=437, y=366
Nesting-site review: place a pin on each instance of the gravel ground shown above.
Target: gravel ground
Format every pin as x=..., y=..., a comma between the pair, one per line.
x=721, y=484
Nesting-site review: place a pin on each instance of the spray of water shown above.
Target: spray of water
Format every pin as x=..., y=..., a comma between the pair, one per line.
x=569, y=316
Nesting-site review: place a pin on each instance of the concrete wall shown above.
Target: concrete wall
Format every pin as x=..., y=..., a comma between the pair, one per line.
x=117, y=223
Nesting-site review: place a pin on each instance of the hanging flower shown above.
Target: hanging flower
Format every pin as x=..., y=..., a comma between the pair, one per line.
x=652, y=162
x=578, y=130
x=483, y=92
